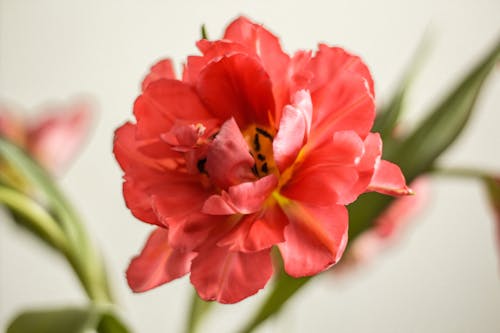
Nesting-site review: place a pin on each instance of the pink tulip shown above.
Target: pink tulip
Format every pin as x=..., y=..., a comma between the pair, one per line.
x=251, y=149
x=54, y=137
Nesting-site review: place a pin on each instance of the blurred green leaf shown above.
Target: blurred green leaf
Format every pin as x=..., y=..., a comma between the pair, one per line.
x=66, y=320
x=493, y=189
x=389, y=114
x=439, y=130
x=204, y=34
x=81, y=255
x=110, y=323
x=284, y=287
x=34, y=217
x=199, y=309
x=41, y=182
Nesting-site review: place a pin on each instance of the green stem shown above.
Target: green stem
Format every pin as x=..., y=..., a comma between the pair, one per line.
x=285, y=287
x=461, y=172
x=36, y=215
x=199, y=309
x=80, y=253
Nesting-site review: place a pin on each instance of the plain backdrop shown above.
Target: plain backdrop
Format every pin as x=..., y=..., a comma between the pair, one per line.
x=441, y=276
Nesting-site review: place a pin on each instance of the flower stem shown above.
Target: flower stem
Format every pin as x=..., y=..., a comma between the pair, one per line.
x=36, y=216
x=199, y=309
x=461, y=172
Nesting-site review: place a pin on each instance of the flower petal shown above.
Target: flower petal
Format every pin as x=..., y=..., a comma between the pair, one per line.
x=342, y=104
x=294, y=128
x=12, y=126
x=228, y=159
x=56, y=137
x=163, y=69
x=264, y=45
x=366, y=166
x=128, y=153
x=158, y=263
x=257, y=232
x=315, y=238
x=163, y=103
x=388, y=179
x=329, y=62
x=244, y=198
x=327, y=174
x=212, y=51
x=237, y=86
x=139, y=203
x=228, y=277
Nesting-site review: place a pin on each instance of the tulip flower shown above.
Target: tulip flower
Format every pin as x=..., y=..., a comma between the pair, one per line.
x=53, y=138
x=252, y=148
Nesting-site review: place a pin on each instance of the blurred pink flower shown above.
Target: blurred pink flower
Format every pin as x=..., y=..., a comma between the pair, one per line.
x=52, y=138
x=387, y=228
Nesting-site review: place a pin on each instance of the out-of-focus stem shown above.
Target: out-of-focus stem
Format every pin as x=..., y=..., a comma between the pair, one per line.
x=461, y=172
x=36, y=216
x=198, y=310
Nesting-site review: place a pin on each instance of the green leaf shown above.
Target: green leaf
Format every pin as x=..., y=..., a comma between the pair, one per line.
x=199, y=309
x=110, y=323
x=34, y=217
x=66, y=320
x=284, y=288
x=439, y=130
x=43, y=185
x=388, y=115
x=204, y=34
x=493, y=189
x=82, y=256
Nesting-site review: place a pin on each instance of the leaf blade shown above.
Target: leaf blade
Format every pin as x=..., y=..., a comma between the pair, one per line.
x=444, y=124
x=66, y=320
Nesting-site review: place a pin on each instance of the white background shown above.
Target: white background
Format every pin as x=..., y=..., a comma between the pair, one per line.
x=442, y=276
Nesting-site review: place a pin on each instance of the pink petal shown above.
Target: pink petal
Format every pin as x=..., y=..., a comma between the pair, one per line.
x=192, y=231
x=388, y=179
x=127, y=151
x=57, y=136
x=162, y=104
x=387, y=227
x=228, y=160
x=163, y=69
x=237, y=86
x=330, y=61
x=342, y=104
x=257, y=232
x=300, y=76
x=139, y=203
x=328, y=174
x=146, y=177
x=260, y=42
x=403, y=209
x=315, y=238
x=12, y=126
x=372, y=154
x=228, y=277
x=178, y=198
x=366, y=166
x=183, y=137
x=244, y=198
x=294, y=128
x=158, y=263
x=264, y=45
x=212, y=51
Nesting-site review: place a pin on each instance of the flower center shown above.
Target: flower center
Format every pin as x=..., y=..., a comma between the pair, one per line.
x=260, y=142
